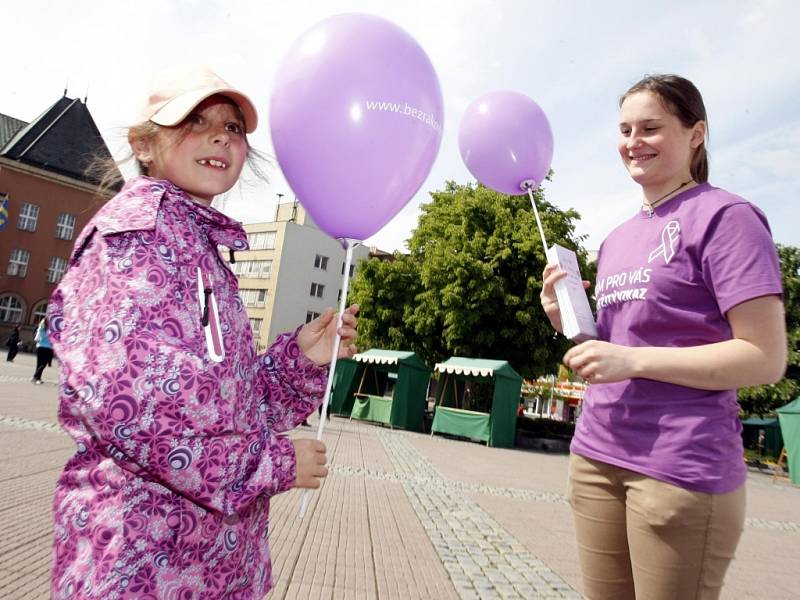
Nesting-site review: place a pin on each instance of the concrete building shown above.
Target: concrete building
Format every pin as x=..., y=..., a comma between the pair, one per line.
x=46, y=198
x=291, y=274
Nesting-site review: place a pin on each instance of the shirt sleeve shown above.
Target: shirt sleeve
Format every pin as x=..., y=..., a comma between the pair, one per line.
x=143, y=396
x=293, y=386
x=739, y=259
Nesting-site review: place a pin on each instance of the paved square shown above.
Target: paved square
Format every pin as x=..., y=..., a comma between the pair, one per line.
x=401, y=516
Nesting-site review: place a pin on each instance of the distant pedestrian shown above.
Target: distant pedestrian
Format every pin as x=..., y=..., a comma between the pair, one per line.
x=44, y=351
x=327, y=412
x=12, y=343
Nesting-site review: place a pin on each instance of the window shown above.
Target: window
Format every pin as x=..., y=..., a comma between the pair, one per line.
x=11, y=309
x=263, y=240
x=56, y=270
x=311, y=315
x=321, y=262
x=65, y=227
x=18, y=263
x=28, y=215
x=352, y=268
x=39, y=312
x=255, y=325
x=317, y=289
x=254, y=269
x=253, y=297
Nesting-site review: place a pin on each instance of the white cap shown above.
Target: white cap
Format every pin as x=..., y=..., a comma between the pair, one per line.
x=175, y=93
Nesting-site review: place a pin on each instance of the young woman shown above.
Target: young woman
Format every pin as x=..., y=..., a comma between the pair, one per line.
x=689, y=309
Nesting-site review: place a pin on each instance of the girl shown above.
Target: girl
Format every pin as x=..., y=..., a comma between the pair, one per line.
x=44, y=351
x=175, y=418
x=689, y=309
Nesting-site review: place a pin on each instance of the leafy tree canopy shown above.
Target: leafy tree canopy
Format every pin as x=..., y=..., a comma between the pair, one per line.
x=470, y=285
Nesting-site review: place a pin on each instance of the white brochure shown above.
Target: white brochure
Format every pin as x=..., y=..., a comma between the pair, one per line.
x=577, y=320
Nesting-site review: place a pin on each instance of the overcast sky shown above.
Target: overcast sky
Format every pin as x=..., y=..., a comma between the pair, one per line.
x=574, y=58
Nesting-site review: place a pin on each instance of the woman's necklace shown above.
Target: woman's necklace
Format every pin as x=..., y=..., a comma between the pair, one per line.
x=648, y=207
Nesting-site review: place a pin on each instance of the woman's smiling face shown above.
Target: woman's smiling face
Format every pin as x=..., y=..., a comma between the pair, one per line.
x=654, y=145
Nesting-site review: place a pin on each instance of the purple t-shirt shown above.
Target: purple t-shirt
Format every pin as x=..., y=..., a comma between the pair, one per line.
x=669, y=280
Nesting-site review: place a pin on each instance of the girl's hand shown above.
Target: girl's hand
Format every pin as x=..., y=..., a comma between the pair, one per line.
x=548, y=299
x=601, y=362
x=310, y=462
x=317, y=337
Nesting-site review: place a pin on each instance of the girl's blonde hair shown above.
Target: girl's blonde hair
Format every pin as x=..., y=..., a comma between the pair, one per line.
x=106, y=169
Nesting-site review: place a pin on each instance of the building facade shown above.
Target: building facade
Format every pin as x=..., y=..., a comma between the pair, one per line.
x=48, y=199
x=291, y=274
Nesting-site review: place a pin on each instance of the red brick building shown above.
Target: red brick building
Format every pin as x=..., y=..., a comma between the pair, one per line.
x=48, y=199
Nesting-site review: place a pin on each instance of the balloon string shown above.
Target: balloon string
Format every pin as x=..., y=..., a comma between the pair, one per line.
x=538, y=220
x=349, y=245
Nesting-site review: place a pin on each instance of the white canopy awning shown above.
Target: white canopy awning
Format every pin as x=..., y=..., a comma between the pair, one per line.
x=381, y=357
x=470, y=366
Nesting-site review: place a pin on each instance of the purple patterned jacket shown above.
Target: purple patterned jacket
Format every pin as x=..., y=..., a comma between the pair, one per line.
x=174, y=415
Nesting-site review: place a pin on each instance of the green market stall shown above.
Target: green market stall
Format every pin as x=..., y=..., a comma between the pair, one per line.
x=772, y=440
x=789, y=416
x=382, y=386
x=345, y=382
x=461, y=410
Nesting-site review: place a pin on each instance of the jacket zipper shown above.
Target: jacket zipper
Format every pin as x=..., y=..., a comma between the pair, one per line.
x=209, y=317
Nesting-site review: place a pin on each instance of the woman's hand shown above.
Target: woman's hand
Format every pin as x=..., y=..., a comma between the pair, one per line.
x=550, y=276
x=310, y=462
x=317, y=337
x=601, y=362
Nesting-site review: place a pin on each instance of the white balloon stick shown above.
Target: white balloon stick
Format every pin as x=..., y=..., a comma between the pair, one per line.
x=349, y=245
x=529, y=185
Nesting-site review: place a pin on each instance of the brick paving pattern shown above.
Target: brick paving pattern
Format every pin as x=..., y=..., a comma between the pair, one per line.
x=483, y=559
x=401, y=516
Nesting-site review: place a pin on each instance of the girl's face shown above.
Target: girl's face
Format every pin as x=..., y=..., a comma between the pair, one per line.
x=204, y=155
x=654, y=145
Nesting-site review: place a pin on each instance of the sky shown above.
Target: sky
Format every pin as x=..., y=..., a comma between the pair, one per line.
x=573, y=57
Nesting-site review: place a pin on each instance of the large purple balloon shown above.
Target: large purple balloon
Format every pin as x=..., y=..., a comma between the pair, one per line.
x=505, y=140
x=356, y=120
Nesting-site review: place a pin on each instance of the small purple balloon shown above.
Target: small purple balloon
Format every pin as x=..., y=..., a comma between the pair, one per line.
x=356, y=118
x=505, y=140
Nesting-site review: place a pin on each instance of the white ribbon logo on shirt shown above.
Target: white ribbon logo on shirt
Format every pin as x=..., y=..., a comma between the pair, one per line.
x=669, y=240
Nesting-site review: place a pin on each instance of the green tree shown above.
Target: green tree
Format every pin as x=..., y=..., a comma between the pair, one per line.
x=766, y=398
x=386, y=291
x=470, y=285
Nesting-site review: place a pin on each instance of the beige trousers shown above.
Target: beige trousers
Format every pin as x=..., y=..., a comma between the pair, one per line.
x=644, y=539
